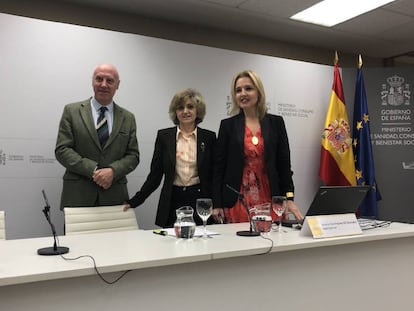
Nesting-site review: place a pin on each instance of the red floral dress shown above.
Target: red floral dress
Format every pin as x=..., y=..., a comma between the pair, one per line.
x=255, y=184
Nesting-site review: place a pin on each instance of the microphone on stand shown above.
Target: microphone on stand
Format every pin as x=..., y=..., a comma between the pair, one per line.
x=54, y=250
x=240, y=197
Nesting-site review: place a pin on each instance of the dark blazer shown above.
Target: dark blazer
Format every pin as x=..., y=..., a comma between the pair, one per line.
x=163, y=164
x=229, y=159
x=79, y=151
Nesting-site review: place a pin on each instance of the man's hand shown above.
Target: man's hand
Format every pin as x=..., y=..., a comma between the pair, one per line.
x=104, y=177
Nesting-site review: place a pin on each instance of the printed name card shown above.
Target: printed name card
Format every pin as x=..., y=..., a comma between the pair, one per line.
x=327, y=226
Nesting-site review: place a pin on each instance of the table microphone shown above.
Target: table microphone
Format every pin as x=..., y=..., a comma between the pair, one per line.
x=54, y=250
x=240, y=197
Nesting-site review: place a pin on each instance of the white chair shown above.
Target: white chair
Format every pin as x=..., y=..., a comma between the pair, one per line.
x=80, y=220
x=2, y=226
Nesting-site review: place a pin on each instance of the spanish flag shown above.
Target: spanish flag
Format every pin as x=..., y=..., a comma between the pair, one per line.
x=337, y=167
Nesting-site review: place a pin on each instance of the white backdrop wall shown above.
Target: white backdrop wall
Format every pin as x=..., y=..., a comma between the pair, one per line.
x=46, y=65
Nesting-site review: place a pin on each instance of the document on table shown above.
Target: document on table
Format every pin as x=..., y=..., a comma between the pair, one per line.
x=199, y=231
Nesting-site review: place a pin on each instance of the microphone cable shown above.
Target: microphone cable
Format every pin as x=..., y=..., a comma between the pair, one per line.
x=94, y=266
x=271, y=245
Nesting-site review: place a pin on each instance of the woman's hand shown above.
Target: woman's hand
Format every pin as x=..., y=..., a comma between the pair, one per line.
x=295, y=210
x=218, y=215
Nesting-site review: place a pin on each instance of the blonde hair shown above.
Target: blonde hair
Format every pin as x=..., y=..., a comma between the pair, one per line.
x=261, y=107
x=181, y=97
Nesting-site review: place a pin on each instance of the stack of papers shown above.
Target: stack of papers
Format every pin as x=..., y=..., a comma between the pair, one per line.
x=198, y=232
x=366, y=223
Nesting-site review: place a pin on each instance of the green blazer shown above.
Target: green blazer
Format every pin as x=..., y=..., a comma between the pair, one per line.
x=79, y=151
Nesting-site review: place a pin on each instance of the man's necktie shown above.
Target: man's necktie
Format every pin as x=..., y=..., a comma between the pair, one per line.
x=102, y=126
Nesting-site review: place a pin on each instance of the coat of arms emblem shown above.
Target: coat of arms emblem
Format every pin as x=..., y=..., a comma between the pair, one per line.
x=396, y=93
x=338, y=133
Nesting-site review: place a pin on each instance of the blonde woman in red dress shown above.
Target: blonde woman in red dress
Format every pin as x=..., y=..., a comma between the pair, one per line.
x=252, y=154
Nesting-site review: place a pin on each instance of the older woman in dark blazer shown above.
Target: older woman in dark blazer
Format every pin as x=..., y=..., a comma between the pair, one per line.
x=183, y=155
x=252, y=154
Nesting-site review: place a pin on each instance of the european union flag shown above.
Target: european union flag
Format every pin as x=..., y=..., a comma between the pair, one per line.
x=364, y=161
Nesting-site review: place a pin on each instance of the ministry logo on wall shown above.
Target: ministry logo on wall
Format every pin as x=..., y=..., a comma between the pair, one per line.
x=395, y=92
x=228, y=105
x=396, y=128
x=2, y=158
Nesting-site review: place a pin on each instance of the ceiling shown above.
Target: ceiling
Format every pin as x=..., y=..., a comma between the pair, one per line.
x=385, y=33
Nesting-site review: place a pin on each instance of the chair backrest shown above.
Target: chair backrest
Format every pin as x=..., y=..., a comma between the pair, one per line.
x=79, y=220
x=2, y=226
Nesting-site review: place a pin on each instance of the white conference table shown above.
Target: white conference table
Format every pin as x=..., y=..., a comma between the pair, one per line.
x=372, y=271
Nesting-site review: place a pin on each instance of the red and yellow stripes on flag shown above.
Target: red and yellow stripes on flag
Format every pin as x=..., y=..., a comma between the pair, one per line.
x=337, y=167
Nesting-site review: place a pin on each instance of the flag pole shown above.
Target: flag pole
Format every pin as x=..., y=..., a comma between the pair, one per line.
x=359, y=61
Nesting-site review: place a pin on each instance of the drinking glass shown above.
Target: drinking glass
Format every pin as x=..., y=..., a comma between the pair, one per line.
x=279, y=206
x=204, y=209
x=262, y=221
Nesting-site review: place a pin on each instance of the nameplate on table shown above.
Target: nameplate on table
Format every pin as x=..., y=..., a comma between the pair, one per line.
x=327, y=226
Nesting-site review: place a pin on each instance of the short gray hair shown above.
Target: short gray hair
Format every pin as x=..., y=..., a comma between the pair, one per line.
x=181, y=97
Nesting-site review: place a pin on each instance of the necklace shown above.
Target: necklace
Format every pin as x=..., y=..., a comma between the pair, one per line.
x=255, y=140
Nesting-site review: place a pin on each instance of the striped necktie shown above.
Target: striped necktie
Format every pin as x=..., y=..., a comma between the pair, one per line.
x=102, y=126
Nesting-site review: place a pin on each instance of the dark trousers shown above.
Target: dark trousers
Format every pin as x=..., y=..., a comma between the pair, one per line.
x=184, y=196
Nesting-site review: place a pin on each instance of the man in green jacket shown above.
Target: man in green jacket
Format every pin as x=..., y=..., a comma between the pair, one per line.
x=97, y=145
